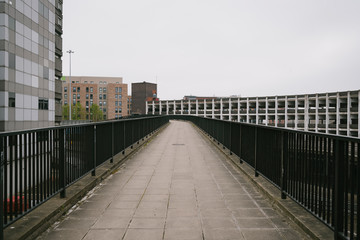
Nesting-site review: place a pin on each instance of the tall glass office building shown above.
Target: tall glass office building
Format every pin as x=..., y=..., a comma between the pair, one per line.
x=30, y=63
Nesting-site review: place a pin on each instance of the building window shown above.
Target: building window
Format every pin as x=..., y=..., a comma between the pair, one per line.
x=116, y=110
x=116, y=96
x=92, y=82
x=116, y=103
x=100, y=103
x=65, y=102
x=74, y=96
x=46, y=73
x=65, y=89
x=12, y=62
x=104, y=96
x=120, y=103
x=116, y=89
x=104, y=89
x=100, y=82
x=11, y=99
x=65, y=96
x=43, y=104
x=120, y=96
x=104, y=103
x=91, y=102
x=12, y=24
x=100, y=96
x=104, y=110
x=78, y=89
x=91, y=96
x=120, y=110
x=85, y=81
x=100, y=90
x=105, y=82
x=120, y=89
x=78, y=96
x=87, y=96
x=91, y=89
x=74, y=89
x=87, y=103
x=87, y=89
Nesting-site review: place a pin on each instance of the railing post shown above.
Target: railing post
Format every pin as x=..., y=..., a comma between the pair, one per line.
x=112, y=143
x=124, y=138
x=284, y=164
x=339, y=190
x=230, y=146
x=255, y=154
x=2, y=163
x=93, y=172
x=62, y=162
x=240, y=129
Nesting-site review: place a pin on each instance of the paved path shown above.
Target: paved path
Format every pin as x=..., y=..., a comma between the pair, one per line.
x=177, y=187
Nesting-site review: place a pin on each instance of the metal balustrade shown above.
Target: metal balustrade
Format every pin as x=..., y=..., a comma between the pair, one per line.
x=38, y=164
x=321, y=172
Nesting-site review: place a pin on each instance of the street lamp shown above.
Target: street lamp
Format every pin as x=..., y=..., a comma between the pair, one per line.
x=70, y=91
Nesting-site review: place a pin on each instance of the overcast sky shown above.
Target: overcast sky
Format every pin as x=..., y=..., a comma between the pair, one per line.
x=217, y=47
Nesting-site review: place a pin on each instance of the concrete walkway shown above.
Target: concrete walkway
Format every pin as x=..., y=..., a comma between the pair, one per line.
x=177, y=187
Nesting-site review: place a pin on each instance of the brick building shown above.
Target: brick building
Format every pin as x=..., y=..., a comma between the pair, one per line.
x=140, y=93
x=109, y=93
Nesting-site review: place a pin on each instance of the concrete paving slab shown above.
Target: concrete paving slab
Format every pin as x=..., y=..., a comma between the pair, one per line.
x=178, y=187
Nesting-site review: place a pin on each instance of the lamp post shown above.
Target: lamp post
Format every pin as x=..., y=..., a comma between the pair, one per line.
x=70, y=91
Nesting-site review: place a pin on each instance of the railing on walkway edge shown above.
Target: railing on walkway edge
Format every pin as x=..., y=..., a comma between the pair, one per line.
x=321, y=172
x=37, y=164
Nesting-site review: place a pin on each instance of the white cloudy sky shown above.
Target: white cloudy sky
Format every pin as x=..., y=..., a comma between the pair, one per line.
x=217, y=47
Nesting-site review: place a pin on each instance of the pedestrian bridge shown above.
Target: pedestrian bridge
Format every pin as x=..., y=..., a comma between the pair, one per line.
x=185, y=182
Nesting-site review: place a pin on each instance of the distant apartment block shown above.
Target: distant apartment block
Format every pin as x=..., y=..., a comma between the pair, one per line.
x=334, y=113
x=109, y=93
x=140, y=93
x=30, y=64
x=129, y=104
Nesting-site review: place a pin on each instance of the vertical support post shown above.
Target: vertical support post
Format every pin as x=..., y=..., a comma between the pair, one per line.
x=284, y=164
x=230, y=146
x=2, y=163
x=112, y=142
x=339, y=189
x=93, y=172
x=62, y=162
x=240, y=136
x=255, y=154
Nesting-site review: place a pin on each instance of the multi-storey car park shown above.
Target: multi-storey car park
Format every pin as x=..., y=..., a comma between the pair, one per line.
x=333, y=113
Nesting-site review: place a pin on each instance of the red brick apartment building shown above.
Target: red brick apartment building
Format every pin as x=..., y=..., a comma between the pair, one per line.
x=109, y=93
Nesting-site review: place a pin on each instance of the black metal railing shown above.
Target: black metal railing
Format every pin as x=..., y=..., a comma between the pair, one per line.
x=321, y=172
x=38, y=164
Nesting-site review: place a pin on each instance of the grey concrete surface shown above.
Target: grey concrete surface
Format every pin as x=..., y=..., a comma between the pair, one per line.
x=178, y=187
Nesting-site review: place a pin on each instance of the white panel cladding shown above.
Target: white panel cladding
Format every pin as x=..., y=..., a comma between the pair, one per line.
x=4, y=73
x=19, y=114
x=4, y=114
x=19, y=102
x=35, y=115
x=4, y=99
x=34, y=102
x=34, y=81
x=35, y=5
x=27, y=66
x=27, y=101
x=34, y=16
x=19, y=40
x=4, y=58
x=4, y=19
x=19, y=63
x=19, y=28
x=34, y=68
x=51, y=104
x=4, y=33
x=27, y=115
x=20, y=6
x=51, y=116
x=19, y=77
x=27, y=79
